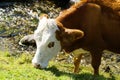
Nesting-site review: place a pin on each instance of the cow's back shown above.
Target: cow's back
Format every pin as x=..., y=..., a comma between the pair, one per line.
x=99, y=22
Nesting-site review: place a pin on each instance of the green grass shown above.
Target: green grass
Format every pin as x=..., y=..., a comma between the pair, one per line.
x=19, y=67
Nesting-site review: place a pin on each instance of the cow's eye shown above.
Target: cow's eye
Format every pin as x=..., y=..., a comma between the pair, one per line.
x=51, y=44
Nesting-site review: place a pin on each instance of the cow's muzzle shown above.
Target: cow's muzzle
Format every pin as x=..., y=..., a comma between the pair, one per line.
x=37, y=66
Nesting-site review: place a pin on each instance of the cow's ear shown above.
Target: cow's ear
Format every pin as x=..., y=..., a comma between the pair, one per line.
x=74, y=34
x=68, y=35
x=60, y=33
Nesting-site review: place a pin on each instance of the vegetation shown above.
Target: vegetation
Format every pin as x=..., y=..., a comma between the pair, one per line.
x=18, y=67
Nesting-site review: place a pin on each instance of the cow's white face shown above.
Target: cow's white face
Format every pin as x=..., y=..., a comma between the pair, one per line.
x=47, y=44
x=50, y=39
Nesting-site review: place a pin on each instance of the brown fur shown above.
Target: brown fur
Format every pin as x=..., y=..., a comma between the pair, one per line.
x=100, y=22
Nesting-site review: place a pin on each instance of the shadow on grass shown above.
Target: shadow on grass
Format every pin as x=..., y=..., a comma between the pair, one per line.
x=83, y=76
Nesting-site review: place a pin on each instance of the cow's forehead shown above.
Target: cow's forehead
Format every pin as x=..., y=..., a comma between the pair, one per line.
x=46, y=27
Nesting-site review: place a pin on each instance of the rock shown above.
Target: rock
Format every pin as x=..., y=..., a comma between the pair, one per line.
x=118, y=60
x=107, y=69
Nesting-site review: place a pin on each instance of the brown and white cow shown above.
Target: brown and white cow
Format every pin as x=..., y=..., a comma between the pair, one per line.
x=86, y=25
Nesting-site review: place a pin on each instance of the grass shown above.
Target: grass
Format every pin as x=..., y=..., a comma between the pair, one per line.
x=18, y=67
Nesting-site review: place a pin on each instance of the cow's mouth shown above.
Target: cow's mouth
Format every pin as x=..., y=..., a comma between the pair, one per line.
x=37, y=66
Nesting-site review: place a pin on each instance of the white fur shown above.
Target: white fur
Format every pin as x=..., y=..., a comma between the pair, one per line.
x=45, y=34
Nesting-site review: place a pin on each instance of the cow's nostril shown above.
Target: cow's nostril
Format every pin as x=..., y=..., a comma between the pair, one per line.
x=36, y=65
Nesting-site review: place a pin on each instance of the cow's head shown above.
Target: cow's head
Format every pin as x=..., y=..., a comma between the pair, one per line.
x=50, y=37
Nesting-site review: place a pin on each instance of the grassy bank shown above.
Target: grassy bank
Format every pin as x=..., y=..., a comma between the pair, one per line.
x=18, y=67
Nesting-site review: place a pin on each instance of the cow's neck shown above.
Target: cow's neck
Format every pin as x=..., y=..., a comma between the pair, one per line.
x=68, y=21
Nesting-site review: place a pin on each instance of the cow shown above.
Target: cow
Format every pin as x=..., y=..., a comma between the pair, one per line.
x=89, y=24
